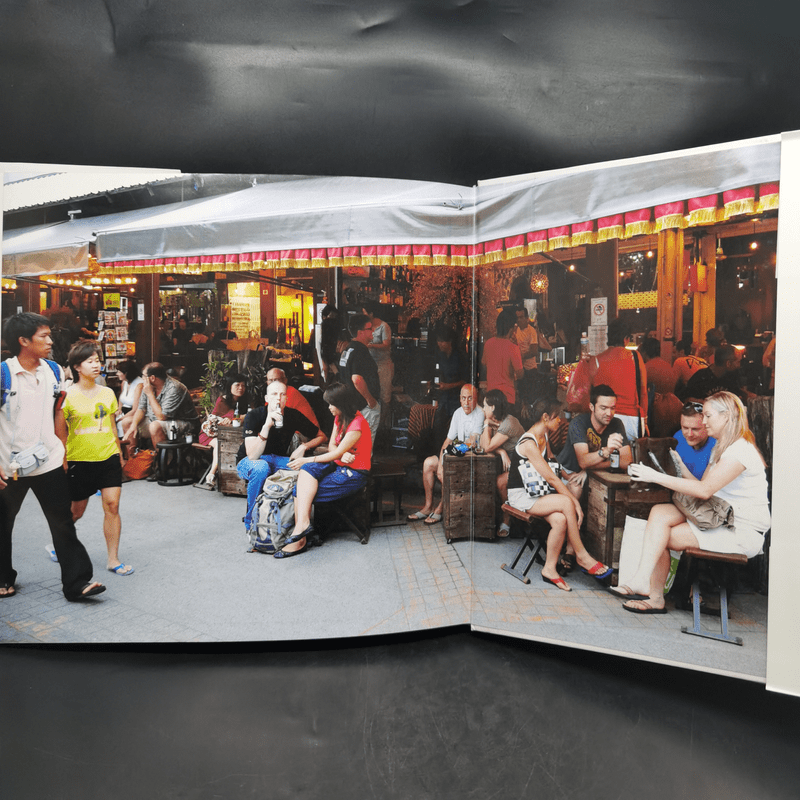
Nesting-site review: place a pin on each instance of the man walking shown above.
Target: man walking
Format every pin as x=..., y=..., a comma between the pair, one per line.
x=32, y=455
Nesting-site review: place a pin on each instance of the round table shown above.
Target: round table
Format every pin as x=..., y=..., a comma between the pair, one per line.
x=172, y=473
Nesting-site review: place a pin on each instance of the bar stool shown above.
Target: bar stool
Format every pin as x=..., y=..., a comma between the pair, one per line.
x=178, y=470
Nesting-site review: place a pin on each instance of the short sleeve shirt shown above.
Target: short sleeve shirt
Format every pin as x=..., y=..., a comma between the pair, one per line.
x=696, y=460
x=581, y=432
x=356, y=360
x=462, y=425
x=90, y=421
x=704, y=383
x=381, y=334
x=363, y=449
x=512, y=428
x=279, y=440
x=175, y=402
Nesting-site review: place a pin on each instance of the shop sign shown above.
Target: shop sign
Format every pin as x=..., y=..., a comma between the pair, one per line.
x=111, y=299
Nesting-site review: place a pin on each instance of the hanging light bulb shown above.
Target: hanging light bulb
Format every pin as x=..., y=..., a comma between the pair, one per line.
x=720, y=254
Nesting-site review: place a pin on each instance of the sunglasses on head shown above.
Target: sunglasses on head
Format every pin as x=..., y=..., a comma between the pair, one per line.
x=696, y=407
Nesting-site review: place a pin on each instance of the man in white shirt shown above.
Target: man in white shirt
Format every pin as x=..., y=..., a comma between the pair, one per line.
x=32, y=455
x=466, y=425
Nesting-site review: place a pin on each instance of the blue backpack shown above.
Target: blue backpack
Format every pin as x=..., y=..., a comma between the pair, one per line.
x=7, y=391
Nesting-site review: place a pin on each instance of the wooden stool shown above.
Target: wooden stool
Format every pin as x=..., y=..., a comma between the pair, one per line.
x=537, y=530
x=721, y=579
x=352, y=511
x=388, y=470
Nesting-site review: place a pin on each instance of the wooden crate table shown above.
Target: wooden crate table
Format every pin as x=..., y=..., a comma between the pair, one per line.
x=469, y=490
x=228, y=480
x=610, y=500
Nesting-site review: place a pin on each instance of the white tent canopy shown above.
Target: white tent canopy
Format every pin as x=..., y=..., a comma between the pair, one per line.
x=291, y=212
x=285, y=213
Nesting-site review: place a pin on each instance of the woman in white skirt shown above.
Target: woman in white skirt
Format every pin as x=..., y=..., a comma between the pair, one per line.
x=735, y=474
x=530, y=472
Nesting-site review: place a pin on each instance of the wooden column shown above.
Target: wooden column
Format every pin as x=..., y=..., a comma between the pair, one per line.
x=670, y=290
x=27, y=296
x=705, y=303
x=266, y=294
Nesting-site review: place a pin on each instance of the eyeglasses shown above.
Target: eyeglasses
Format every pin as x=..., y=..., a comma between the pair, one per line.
x=696, y=407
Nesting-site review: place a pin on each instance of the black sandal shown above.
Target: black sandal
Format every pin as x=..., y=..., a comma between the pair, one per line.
x=566, y=564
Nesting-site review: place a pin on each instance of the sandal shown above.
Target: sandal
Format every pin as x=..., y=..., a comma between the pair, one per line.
x=8, y=593
x=417, y=516
x=432, y=519
x=566, y=563
x=599, y=571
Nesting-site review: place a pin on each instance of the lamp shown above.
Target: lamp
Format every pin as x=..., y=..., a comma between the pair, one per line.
x=539, y=283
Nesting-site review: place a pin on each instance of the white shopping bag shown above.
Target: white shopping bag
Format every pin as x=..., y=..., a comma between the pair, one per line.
x=631, y=551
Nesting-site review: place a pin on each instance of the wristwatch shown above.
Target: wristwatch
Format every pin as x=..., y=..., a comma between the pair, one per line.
x=601, y=454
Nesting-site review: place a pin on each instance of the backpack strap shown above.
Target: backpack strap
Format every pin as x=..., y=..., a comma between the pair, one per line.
x=5, y=384
x=56, y=369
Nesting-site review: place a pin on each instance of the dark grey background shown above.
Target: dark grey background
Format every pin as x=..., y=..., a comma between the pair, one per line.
x=442, y=91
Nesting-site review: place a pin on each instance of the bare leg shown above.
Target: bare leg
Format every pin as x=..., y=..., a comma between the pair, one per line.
x=666, y=529
x=502, y=490
x=307, y=486
x=78, y=508
x=156, y=433
x=212, y=470
x=429, y=470
x=112, y=524
x=555, y=541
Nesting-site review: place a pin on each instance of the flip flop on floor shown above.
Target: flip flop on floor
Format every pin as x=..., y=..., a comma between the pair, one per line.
x=559, y=583
x=503, y=531
x=417, y=516
x=432, y=519
x=627, y=595
x=567, y=562
x=121, y=569
x=648, y=609
x=8, y=593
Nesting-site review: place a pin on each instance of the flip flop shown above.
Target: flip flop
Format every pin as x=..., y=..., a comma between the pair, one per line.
x=627, y=595
x=416, y=516
x=648, y=610
x=503, y=531
x=52, y=552
x=432, y=519
x=8, y=586
x=599, y=571
x=118, y=569
x=567, y=562
x=85, y=595
x=559, y=583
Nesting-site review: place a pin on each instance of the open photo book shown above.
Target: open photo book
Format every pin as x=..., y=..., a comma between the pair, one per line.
x=496, y=302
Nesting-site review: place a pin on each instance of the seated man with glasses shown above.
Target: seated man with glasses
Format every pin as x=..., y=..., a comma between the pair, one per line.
x=694, y=443
x=466, y=426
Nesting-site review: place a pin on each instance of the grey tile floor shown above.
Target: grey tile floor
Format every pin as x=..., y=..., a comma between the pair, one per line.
x=194, y=582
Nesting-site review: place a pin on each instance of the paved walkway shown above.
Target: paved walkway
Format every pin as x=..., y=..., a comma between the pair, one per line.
x=194, y=582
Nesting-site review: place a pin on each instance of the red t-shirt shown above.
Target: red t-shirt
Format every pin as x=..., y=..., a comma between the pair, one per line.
x=363, y=449
x=502, y=357
x=617, y=370
x=295, y=399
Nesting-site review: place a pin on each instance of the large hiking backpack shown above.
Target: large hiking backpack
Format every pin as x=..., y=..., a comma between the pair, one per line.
x=272, y=520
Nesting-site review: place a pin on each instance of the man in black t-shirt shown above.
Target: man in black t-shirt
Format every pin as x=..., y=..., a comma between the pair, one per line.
x=593, y=435
x=359, y=372
x=268, y=433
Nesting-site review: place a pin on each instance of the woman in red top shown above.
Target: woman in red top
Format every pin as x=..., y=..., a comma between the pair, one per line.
x=335, y=474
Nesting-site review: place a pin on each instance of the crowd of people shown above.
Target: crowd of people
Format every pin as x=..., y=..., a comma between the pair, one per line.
x=92, y=430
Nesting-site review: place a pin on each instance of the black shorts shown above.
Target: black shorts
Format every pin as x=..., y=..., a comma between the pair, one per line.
x=86, y=477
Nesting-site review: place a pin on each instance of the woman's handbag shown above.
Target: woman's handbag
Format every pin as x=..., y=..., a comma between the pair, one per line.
x=535, y=484
x=706, y=514
x=210, y=425
x=140, y=464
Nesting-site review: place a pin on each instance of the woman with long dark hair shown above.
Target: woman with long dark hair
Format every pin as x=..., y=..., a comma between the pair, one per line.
x=230, y=408
x=735, y=474
x=560, y=507
x=335, y=474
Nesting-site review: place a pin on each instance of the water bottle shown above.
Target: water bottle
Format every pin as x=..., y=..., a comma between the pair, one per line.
x=584, y=346
x=436, y=387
